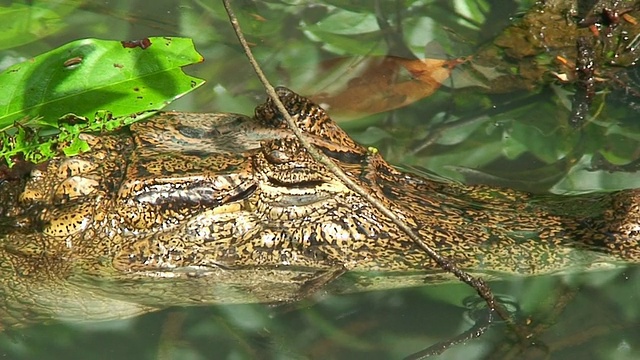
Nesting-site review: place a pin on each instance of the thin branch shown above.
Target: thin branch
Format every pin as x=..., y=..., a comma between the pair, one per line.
x=478, y=284
x=473, y=333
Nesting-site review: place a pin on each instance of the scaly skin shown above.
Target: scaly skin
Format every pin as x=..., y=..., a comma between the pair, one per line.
x=190, y=209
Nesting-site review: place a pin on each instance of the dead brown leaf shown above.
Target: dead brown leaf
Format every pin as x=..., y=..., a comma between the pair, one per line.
x=376, y=84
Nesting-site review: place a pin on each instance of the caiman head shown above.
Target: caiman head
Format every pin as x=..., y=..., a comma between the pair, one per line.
x=267, y=204
x=183, y=209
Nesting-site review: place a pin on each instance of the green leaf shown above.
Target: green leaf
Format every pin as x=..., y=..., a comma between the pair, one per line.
x=37, y=147
x=361, y=44
x=346, y=32
x=89, y=75
x=347, y=23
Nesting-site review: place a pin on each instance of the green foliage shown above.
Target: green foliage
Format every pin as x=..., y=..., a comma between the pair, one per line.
x=88, y=75
x=24, y=23
x=36, y=148
x=102, y=83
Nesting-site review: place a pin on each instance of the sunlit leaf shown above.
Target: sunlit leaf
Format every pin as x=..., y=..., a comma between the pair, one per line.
x=89, y=75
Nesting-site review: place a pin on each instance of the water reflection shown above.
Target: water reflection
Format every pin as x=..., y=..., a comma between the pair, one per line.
x=584, y=316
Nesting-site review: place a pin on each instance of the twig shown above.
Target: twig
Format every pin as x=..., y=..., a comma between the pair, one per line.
x=475, y=332
x=478, y=284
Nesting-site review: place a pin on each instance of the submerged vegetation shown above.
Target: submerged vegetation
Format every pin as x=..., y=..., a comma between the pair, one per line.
x=537, y=95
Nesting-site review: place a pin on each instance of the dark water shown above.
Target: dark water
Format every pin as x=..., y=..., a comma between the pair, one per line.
x=519, y=137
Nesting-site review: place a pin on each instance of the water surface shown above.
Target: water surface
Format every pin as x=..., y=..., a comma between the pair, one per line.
x=518, y=138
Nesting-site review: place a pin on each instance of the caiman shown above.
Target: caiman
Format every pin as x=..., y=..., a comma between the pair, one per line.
x=187, y=209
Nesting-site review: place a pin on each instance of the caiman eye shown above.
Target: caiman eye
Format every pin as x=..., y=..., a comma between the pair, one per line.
x=285, y=163
x=282, y=151
x=195, y=132
x=277, y=157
